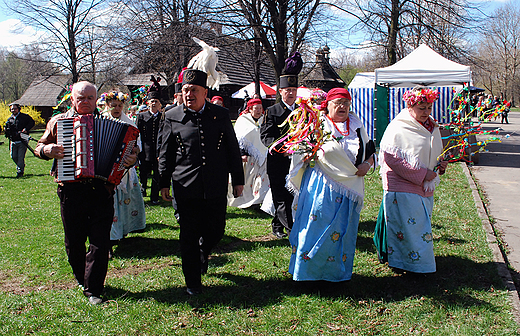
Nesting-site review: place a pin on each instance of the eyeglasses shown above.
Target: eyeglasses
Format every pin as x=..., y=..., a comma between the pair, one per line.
x=345, y=102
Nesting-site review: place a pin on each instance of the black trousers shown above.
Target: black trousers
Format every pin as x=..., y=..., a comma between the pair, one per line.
x=282, y=200
x=202, y=222
x=145, y=169
x=504, y=118
x=87, y=211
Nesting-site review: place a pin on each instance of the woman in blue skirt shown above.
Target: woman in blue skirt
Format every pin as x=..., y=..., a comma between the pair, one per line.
x=323, y=237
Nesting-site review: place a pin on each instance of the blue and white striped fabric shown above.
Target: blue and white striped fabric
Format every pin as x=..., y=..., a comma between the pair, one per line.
x=363, y=106
x=440, y=107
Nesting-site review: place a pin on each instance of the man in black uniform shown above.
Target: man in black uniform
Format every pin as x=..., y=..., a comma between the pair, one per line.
x=149, y=124
x=178, y=94
x=278, y=163
x=199, y=149
x=18, y=123
x=87, y=205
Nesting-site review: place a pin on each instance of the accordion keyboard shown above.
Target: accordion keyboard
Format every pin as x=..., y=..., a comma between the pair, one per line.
x=65, y=136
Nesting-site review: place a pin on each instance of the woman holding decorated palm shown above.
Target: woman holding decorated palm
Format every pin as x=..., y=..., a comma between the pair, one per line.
x=408, y=156
x=331, y=191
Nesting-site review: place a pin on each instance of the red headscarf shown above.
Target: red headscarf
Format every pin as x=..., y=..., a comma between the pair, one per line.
x=217, y=98
x=253, y=102
x=335, y=93
x=250, y=103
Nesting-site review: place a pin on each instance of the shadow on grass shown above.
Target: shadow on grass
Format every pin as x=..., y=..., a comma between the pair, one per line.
x=161, y=226
x=454, y=284
x=147, y=248
x=249, y=213
x=25, y=176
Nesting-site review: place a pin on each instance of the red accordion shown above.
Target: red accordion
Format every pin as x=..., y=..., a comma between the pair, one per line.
x=94, y=147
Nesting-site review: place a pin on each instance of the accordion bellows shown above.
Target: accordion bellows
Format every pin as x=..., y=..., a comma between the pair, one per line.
x=94, y=148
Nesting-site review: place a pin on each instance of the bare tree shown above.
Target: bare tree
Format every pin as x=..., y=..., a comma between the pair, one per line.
x=400, y=26
x=18, y=69
x=497, y=63
x=279, y=25
x=64, y=23
x=155, y=35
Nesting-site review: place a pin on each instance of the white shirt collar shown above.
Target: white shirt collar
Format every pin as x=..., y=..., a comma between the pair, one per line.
x=200, y=111
x=290, y=107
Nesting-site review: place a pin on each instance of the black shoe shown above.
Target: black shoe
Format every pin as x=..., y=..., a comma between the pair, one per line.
x=155, y=202
x=203, y=262
x=280, y=235
x=19, y=175
x=193, y=291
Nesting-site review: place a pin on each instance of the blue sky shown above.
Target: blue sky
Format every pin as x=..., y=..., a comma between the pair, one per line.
x=13, y=33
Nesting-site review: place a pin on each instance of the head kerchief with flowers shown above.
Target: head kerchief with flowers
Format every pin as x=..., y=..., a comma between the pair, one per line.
x=420, y=94
x=114, y=95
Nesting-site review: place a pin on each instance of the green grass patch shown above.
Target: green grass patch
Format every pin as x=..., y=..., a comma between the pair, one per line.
x=247, y=289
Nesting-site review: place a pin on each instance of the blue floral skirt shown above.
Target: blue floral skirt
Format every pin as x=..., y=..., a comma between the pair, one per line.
x=323, y=237
x=409, y=231
x=129, y=212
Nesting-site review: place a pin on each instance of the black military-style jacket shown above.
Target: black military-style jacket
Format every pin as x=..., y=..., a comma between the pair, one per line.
x=277, y=164
x=149, y=129
x=198, y=152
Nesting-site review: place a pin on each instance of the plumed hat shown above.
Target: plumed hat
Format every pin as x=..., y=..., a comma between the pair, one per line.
x=195, y=77
x=154, y=92
x=293, y=66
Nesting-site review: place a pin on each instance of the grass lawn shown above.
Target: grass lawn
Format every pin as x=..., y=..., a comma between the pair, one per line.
x=247, y=289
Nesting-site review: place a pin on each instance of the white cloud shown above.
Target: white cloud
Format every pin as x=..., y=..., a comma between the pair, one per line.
x=14, y=34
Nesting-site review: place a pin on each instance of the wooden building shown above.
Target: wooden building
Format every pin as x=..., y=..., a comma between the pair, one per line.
x=44, y=93
x=322, y=75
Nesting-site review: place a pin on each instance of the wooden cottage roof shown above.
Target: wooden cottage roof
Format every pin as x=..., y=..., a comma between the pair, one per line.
x=234, y=58
x=322, y=74
x=143, y=79
x=237, y=63
x=44, y=91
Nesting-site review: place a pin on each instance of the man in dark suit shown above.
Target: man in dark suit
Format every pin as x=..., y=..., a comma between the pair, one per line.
x=198, y=152
x=278, y=163
x=149, y=123
x=18, y=123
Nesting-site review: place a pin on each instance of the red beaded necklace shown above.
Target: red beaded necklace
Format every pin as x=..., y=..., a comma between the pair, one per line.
x=337, y=129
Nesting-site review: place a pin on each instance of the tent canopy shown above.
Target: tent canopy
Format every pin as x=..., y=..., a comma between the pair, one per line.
x=362, y=80
x=423, y=66
x=249, y=90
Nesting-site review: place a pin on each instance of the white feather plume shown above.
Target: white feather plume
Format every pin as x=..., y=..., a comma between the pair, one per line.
x=206, y=61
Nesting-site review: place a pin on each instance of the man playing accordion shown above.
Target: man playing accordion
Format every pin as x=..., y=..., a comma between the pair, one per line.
x=87, y=204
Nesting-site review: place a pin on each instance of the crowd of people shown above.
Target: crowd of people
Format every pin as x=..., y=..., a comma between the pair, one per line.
x=202, y=163
x=491, y=107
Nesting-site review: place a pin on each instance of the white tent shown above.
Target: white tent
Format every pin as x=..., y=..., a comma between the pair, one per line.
x=361, y=89
x=362, y=80
x=423, y=66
